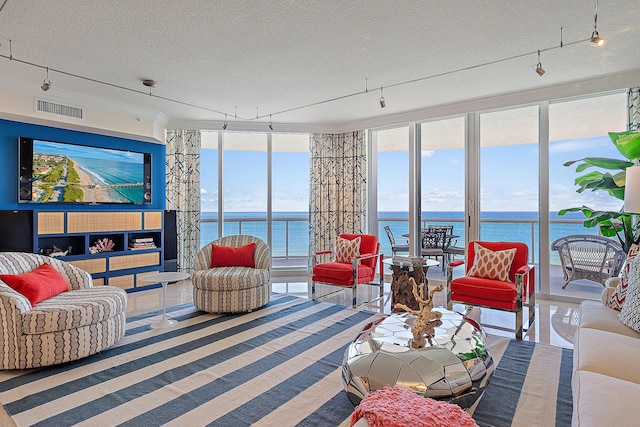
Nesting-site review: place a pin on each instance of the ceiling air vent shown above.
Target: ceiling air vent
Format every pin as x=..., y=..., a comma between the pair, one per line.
x=59, y=109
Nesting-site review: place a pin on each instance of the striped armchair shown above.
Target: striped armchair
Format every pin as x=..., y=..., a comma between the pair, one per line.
x=74, y=324
x=232, y=289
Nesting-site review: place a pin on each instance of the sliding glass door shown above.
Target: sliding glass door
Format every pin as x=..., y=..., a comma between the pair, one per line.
x=392, y=167
x=578, y=129
x=443, y=175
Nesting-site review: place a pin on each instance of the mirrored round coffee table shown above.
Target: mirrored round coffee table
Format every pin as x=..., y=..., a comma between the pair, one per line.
x=452, y=367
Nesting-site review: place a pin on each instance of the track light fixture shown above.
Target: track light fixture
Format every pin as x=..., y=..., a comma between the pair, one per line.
x=270, y=124
x=46, y=84
x=596, y=40
x=539, y=68
x=225, y=124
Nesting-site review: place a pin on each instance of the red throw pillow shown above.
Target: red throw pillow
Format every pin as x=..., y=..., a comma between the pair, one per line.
x=226, y=256
x=37, y=285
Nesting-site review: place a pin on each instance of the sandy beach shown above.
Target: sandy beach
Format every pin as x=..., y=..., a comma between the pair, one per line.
x=91, y=195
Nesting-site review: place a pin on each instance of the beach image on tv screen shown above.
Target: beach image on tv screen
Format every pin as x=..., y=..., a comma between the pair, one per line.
x=80, y=174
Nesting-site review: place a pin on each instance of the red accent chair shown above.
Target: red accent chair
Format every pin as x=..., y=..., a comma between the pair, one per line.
x=361, y=270
x=496, y=294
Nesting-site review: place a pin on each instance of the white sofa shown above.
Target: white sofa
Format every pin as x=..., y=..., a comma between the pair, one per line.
x=606, y=368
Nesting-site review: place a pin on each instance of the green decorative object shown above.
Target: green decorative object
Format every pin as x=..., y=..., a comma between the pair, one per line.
x=619, y=224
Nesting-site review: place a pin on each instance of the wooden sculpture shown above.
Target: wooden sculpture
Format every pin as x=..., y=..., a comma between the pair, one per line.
x=426, y=319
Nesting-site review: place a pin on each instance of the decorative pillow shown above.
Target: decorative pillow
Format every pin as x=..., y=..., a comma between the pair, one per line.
x=617, y=298
x=491, y=265
x=347, y=249
x=226, y=256
x=630, y=313
x=37, y=285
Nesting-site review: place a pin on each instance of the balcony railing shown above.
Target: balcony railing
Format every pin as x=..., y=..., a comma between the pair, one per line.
x=291, y=234
x=291, y=239
x=494, y=229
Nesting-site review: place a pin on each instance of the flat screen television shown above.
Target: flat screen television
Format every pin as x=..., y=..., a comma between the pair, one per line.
x=63, y=172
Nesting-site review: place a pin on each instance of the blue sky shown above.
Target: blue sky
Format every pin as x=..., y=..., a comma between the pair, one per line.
x=84, y=151
x=509, y=179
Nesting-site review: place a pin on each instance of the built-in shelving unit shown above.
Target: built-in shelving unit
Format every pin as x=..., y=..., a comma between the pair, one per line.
x=77, y=233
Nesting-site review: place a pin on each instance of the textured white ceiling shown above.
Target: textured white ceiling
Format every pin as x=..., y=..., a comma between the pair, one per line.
x=279, y=55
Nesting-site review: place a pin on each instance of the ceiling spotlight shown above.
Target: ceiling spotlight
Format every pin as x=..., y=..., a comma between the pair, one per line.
x=539, y=68
x=595, y=39
x=149, y=83
x=270, y=124
x=46, y=84
x=382, y=101
x=225, y=124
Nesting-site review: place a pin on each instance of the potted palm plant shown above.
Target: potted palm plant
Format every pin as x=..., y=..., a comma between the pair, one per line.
x=619, y=224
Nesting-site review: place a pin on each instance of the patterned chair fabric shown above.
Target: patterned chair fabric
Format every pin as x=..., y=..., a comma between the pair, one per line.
x=507, y=295
x=69, y=326
x=232, y=289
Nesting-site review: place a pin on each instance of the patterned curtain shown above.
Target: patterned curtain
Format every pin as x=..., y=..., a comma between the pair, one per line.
x=633, y=104
x=337, y=187
x=183, y=191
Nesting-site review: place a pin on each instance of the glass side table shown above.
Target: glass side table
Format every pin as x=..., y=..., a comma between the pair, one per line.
x=401, y=289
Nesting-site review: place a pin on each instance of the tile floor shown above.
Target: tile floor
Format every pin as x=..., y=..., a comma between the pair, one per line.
x=555, y=323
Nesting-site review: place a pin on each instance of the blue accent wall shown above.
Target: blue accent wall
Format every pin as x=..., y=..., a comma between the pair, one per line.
x=10, y=131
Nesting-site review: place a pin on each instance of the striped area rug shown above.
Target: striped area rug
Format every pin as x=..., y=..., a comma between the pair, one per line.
x=530, y=386
x=277, y=366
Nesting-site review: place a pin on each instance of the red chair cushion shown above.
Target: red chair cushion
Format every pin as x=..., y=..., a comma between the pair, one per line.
x=341, y=274
x=501, y=305
x=489, y=289
x=521, y=257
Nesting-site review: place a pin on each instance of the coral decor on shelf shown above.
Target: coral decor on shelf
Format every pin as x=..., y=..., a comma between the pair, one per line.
x=102, y=245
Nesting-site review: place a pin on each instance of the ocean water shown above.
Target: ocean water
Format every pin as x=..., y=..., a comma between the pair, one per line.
x=116, y=172
x=297, y=233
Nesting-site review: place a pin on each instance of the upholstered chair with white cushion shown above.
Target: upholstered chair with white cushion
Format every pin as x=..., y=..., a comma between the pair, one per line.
x=232, y=275
x=50, y=312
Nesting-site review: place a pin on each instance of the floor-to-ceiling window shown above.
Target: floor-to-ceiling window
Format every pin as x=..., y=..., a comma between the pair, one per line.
x=578, y=129
x=290, y=197
x=208, y=187
x=264, y=191
x=245, y=184
x=509, y=176
x=443, y=174
x=392, y=158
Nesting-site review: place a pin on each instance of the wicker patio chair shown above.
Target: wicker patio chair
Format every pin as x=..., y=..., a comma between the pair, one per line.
x=585, y=256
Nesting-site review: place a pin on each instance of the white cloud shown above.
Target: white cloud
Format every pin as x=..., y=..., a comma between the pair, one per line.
x=203, y=191
x=578, y=145
x=428, y=153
